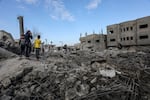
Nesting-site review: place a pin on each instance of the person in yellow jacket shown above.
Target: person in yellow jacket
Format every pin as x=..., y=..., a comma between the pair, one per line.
x=37, y=45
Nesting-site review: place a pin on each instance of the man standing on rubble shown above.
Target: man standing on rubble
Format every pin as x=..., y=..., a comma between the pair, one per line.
x=37, y=45
x=28, y=36
x=65, y=48
x=22, y=44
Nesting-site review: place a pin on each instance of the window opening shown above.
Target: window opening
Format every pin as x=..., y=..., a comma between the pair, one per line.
x=143, y=26
x=97, y=41
x=144, y=37
x=112, y=40
x=127, y=38
x=89, y=41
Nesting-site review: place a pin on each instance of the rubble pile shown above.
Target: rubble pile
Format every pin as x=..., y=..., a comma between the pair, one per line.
x=82, y=76
x=135, y=68
x=9, y=46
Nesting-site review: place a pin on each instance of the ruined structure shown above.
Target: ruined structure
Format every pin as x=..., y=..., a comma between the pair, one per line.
x=94, y=42
x=77, y=46
x=130, y=33
x=21, y=26
x=6, y=38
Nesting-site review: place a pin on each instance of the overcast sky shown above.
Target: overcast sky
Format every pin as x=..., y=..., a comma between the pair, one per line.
x=64, y=20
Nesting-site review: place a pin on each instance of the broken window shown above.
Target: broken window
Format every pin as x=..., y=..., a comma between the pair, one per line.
x=143, y=26
x=89, y=41
x=131, y=38
x=111, y=32
x=144, y=37
x=97, y=41
x=112, y=40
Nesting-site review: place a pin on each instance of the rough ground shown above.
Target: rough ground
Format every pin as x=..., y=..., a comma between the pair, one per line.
x=108, y=75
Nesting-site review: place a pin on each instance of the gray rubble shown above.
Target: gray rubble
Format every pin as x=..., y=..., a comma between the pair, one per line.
x=82, y=75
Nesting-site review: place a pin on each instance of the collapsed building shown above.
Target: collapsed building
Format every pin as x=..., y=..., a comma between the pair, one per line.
x=6, y=39
x=7, y=42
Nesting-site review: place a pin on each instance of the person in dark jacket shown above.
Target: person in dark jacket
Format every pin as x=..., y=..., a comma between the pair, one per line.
x=22, y=45
x=28, y=36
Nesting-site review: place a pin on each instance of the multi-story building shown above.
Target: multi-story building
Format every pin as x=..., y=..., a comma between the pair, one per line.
x=129, y=33
x=93, y=42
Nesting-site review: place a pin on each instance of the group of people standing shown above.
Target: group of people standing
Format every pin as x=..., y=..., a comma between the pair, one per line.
x=26, y=45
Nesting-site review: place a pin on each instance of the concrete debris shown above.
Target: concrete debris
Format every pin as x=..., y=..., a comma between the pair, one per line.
x=108, y=73
x=83, y=75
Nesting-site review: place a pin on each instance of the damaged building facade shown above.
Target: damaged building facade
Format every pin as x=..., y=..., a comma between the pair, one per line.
x=129, y=33
x=6, y=38
x=93, y=42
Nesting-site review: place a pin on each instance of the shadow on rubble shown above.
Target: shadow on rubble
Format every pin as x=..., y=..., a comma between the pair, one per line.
x=13, y=49
x=5, y=54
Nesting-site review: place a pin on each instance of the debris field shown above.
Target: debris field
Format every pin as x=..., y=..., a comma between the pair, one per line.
x=80, y=75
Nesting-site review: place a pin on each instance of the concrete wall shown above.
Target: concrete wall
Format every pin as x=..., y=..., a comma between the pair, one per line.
x=112, y=35
x=143, y=31
x=95, y=42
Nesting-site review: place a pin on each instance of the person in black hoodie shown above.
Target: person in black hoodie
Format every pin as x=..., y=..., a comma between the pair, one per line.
x=28, y=36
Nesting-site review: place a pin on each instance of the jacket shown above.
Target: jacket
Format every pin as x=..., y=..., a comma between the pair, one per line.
x=28, y=36
x=37, y=43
